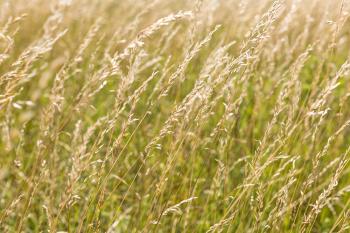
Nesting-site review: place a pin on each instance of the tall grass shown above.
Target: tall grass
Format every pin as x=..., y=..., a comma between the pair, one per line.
x=174, y=116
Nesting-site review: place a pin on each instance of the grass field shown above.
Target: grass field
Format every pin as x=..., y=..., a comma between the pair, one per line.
x=174, y=116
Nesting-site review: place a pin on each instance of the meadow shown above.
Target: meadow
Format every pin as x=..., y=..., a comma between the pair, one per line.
x=175, y=116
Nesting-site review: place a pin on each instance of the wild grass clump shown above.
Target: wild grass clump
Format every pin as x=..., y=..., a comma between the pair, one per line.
x=174, y=116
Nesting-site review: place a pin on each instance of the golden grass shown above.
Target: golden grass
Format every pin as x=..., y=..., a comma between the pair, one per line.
x=174, y=116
